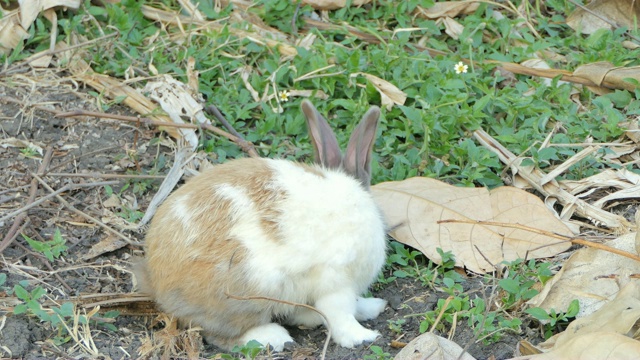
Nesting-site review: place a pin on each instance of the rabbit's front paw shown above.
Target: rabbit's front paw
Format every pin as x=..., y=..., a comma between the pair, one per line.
x=272, y=334
x=305, y=317
x=353, y=335
x=369, y=308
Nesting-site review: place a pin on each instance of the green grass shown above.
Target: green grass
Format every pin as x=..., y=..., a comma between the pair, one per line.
x=430, y=135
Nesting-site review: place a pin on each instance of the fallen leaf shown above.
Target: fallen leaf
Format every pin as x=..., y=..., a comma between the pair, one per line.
x=11, y=32
x=447, y=8
x=619, y=12
x=607, y=76
x=432, y=347
x=108, y=244
x=590, y=275
x=333, y=4
x=389, y=93
x=29, y=9
x=22, y=144
x=413, y=207
x=453, y=28
x=598, y=345
x=617, y=316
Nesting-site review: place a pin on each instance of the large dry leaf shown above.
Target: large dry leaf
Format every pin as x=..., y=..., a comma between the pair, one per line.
x=608, y=76
x=619, y=12
x=432, y=347
x=619, y=316
x=413, y=207
x=590, y=275
x=598, y=345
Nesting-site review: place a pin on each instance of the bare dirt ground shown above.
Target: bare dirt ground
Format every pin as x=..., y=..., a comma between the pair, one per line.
x=90, y=145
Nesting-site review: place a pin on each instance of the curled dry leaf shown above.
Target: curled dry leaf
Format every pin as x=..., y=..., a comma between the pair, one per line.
x=617, y=316
x=619, y=12
x=333, y=4
x=389, y=93
x=108, y=244
x=414, y=206
x=598, y=345
x=29, y=10
x=22, y=144
x=453, y=28
x=608, y=76
x=14, y=25
x=592, y=276
x=11, y=32
x=447, y=8
x=431, y=346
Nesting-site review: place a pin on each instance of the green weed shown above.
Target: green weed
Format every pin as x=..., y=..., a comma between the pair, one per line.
x=51, y=249
x=553, y=321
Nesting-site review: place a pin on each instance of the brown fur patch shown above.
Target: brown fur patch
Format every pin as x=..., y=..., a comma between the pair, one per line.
x=190, y=278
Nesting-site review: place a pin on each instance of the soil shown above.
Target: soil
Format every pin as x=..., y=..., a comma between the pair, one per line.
x=84, y=145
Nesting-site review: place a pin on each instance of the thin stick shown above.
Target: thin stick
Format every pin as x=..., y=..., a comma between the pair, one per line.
x=546, y=233
x=245, y=145
x=55, y=193
x=326, y=342
x=86, y=216
x=13, y=231
x=107, y=176
x=444, y=308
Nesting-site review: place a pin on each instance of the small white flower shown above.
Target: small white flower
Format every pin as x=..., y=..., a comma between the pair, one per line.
x=284, y=95
x=460, y=68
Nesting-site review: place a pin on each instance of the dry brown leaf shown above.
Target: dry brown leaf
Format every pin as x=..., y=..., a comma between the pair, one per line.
x=432, y=347
x=608, y=76
x=447, y=8
x=11, y=32
x=598, y=345
x=108, y=244
x=618, y=316
x=21, y=144
x=590, y=275
x=389, y=93
x=619, y=12
x=413, y=207
x=333, y=4
x=453, y=28
x=30, y=9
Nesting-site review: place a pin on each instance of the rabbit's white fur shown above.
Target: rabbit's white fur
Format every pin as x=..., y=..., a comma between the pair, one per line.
x=268, y=228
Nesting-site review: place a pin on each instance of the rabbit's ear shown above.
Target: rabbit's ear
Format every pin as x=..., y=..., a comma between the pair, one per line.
x=327, y=151
x=357, y=160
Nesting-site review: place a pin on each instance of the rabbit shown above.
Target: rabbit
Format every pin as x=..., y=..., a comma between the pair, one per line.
x=278, y=229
